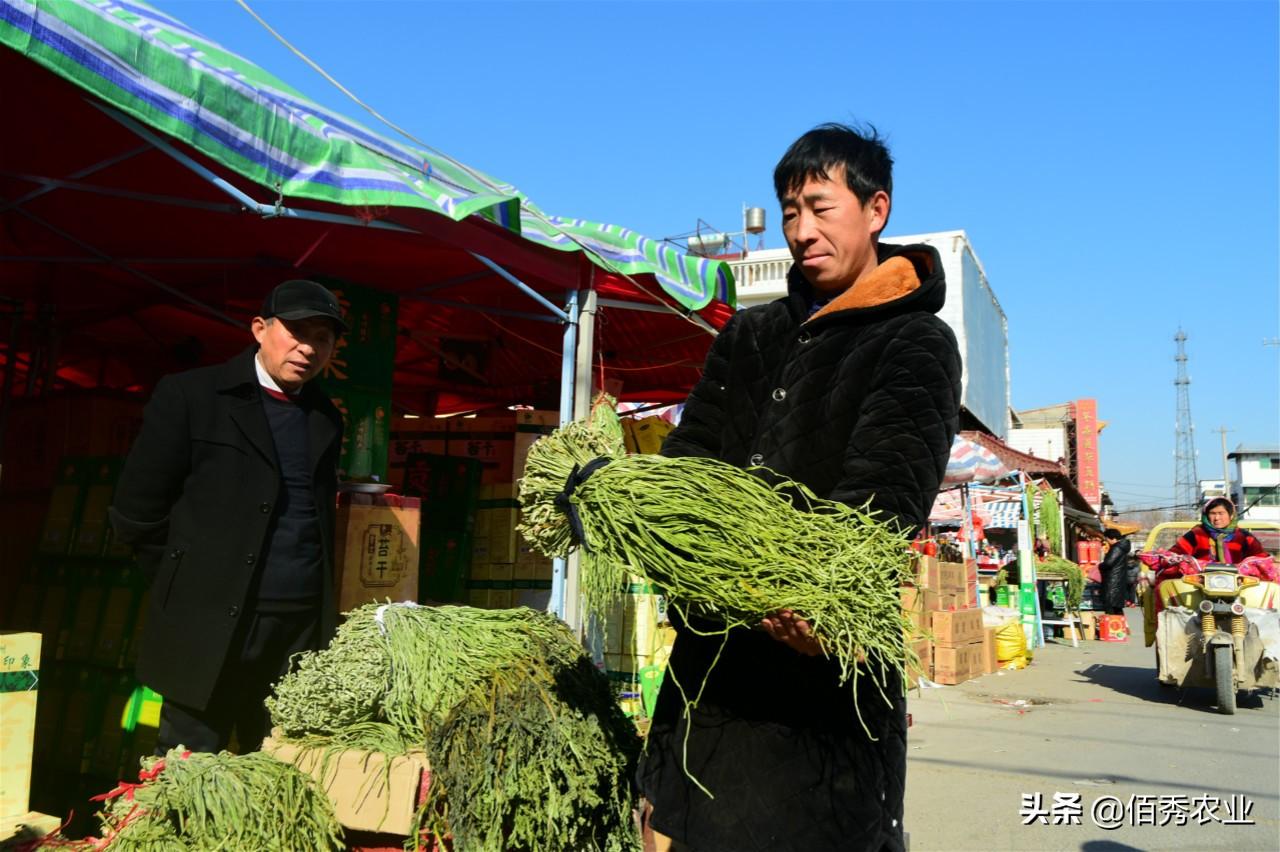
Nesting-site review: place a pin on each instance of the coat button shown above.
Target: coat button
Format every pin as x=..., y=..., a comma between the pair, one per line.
x=234, y=611
x=756, y=459
x=248, y=560
x=175, y=554
x=804, y=337
x=265, y=508
x=779, y=394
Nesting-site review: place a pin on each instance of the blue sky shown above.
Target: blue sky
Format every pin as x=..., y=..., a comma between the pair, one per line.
x=1114, y=164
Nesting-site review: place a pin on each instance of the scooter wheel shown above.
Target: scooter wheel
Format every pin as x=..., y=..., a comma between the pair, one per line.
x=1224, y=679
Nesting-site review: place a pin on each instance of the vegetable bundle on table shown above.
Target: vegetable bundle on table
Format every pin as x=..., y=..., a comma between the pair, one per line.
x=721, y=540
x=528, y=750
x=193, y=802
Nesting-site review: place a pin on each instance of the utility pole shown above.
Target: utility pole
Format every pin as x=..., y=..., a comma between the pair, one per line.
x=1186, y=483
x=1226, y=471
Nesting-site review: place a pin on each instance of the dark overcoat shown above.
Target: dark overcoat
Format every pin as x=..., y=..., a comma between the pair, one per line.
x=196, y=499
x=860, y=403
x=1114, y=569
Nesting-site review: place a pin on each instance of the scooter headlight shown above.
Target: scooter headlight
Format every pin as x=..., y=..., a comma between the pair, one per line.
x=1220, y=583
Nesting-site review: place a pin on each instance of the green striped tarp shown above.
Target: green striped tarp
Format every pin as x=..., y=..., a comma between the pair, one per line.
x=151, y=66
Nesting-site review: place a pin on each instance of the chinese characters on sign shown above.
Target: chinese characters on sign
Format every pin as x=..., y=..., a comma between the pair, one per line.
x=378, y=566
x=1087, y=451
x=1112, y=812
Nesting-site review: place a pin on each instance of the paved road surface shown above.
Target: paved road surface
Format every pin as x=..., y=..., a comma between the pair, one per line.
x=1094, y=722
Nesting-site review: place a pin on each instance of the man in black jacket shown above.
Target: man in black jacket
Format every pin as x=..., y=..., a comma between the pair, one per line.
x=1114, y=569
x=228, y=498
x=850, y=385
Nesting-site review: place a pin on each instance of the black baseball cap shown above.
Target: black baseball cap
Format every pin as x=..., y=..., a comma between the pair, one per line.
x=300, y=299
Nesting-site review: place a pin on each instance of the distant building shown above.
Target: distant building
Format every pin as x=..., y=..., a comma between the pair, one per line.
x=971, y=309
x=1068, y=434
x=1255, y=482
x=1212, y=488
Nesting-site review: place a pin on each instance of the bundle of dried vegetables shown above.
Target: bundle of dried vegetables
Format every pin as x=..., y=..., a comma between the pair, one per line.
x=192, y=802
x=528, y=750
x=734, y=545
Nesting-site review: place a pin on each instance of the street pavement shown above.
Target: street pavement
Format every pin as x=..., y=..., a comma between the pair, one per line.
x=1150, y=767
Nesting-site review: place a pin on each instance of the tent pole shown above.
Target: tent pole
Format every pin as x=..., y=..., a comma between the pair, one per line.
x=154, y=282
x=523, y=287
x=265, y=210
x=85, y=172
x=581, y=410
x=568, y=351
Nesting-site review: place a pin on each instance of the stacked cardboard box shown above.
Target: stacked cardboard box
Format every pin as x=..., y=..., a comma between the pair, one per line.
x=19, y=678
x=505, y=570
x=500, y=443
x=367, y=792
x=947, y=631
x=957, y=639
x=377, y=546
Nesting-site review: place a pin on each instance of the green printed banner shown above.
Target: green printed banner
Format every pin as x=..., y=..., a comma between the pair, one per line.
x=359, y=378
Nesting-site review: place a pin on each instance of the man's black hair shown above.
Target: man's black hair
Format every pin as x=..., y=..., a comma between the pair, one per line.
x=868, y=168
x=1114, y=535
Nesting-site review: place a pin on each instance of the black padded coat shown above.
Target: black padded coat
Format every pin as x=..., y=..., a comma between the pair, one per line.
x=859, y=402
x=197, y=501
x=1114, y=569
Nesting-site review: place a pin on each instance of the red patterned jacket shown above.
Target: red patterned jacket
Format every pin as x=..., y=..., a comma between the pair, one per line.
x=1198, y=543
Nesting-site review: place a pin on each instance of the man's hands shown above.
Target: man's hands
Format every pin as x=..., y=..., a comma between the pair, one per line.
x=792, y=631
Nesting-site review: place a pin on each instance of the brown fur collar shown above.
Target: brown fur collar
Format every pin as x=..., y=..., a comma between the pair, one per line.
x=891, y=280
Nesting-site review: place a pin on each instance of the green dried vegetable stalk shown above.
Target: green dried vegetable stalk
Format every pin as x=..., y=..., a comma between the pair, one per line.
x=720, y=539
x=1051, y=521
x=527, y=748
x=1073, y=574
x=219, y=803
x=534, y=763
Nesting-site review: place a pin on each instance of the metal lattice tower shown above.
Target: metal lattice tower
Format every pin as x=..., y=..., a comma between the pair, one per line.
x=1186, y=483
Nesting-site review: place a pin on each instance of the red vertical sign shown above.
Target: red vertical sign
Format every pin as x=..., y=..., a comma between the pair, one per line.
x=1087, y=451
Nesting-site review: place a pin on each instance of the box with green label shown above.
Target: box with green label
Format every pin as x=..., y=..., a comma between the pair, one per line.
x=19, y=685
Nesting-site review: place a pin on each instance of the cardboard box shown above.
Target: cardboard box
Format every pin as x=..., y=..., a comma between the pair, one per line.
x=1113, y=628
x=952, y=665
x=21, y=830
x=960, y=627
x=942, y=577
x=91, y=537
x=1089, y=625
x=365, y=796
x=19, y=679
x=497, y=514
x=500, y=443
x=914, y=605
x=377, y=546
x=65, y=501
x=945, y=603
x=990, y=661
x=924, y=650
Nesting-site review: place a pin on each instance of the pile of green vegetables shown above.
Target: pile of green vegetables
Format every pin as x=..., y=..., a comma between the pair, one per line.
x=1056, y=566
x=191, y=802
x=528, y=749
x=723, y=541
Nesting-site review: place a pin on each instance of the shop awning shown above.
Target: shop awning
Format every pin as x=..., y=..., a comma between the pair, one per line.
x=151, y=67
x=153, y=186
x=970, y=461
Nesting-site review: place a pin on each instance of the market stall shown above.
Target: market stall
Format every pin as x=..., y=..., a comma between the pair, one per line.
x=1012, y=516
x=159, y=186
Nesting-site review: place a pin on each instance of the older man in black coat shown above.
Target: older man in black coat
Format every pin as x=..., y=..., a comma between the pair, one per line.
x=850, y=385
x=228, y=498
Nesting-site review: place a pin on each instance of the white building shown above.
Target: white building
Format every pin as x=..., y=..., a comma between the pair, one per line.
x=971, y=309
x=1255, y=481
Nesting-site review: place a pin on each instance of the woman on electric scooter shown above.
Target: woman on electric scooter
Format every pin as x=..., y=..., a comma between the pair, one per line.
x=1217, y=538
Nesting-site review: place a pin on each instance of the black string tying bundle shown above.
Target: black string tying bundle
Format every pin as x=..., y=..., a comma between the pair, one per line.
x=577, y=476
